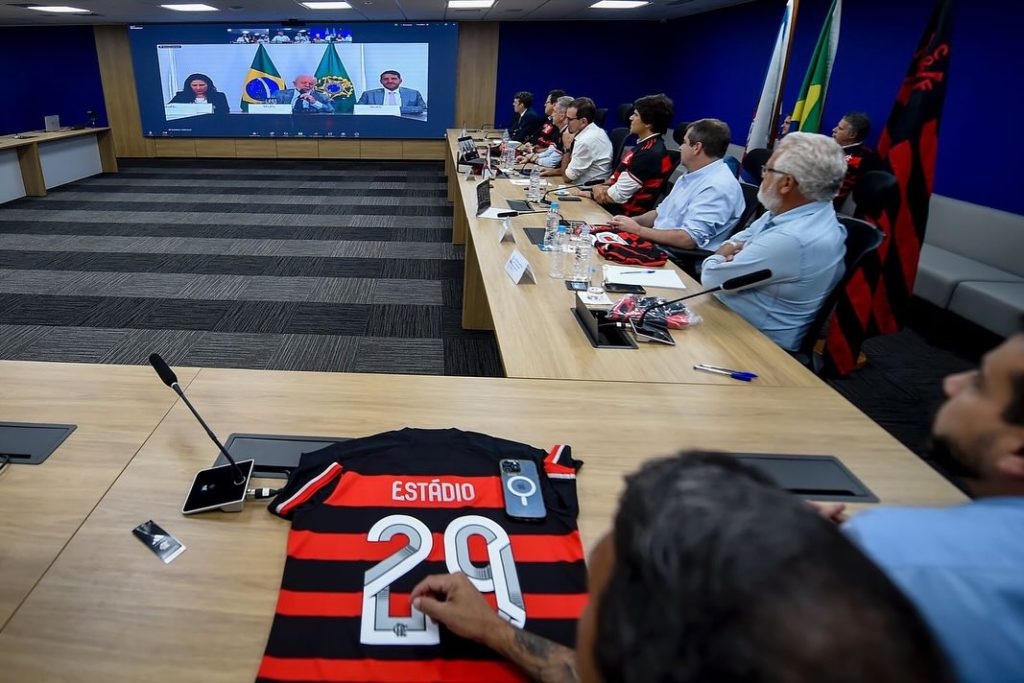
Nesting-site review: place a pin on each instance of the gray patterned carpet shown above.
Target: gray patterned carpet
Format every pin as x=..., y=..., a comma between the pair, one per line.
x=289, y=265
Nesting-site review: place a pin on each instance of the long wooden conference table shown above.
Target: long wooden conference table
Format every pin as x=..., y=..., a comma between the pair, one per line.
x=81, y=599
x=538, y=335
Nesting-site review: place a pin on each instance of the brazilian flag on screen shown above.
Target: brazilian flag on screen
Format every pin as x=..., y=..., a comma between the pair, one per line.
x=810, y=104
x=332, y=80
x=262, y=81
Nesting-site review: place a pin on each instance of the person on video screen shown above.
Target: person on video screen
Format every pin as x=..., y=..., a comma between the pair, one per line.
x=411, y=101
x=304, y=97
x=199, y=89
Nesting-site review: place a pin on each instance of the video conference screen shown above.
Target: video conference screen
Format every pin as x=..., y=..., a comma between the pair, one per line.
x=370, y=80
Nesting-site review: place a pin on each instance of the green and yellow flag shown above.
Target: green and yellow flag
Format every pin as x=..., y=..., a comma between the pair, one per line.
x=810, y=104
x=332, y=80
x=262, y=81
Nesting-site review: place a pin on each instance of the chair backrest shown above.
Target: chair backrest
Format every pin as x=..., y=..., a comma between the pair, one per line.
x=600, y=116
x=875, y=192
x=624, y=111
x=679, y=132
x=861, y=239
x=750, y=207
x=618, y=137
x=754, y=160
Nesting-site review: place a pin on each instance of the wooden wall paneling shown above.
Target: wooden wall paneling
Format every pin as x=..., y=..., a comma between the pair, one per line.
x=434, y=150
x=175, y=147
x=339, y=149
x=381, y=149
x=119, y=94
x=256, y=148
x=297, y=149
x=215, y=147
x=476, y=74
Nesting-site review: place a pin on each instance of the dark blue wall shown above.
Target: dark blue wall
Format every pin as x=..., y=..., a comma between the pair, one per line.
x=713, y=64
x=50, y=70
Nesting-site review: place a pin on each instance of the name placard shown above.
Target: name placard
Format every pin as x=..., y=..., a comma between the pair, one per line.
x=505, y=234
x=518, y=268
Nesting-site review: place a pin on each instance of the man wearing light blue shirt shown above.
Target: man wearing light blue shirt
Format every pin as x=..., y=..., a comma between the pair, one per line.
x=799, y=240
x=704, y=205
x=963, y=566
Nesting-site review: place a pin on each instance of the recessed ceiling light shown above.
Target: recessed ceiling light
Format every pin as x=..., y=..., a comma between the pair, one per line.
x=326, y=5
x=191, y=8
x=619, y=4
x=470, y=4
x=61, y=9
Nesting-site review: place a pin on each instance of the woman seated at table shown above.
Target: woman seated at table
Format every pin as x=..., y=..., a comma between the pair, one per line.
x=199, y=89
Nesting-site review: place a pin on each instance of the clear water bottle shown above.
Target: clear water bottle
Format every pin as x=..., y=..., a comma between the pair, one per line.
x=558, y=254
x=533, y=192
x=581, y=255
x=551, y=226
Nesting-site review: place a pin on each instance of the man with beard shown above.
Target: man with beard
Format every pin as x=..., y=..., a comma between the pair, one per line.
x=798, y=239
x=963, y=566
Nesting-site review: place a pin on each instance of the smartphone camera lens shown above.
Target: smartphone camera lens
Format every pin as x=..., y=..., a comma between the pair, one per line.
x=511, y=468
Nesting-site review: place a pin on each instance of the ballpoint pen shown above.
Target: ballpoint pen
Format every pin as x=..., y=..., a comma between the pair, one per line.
x=631, y=272
x=741, y=375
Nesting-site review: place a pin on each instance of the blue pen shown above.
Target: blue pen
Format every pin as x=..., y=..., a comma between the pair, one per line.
x=735, y=374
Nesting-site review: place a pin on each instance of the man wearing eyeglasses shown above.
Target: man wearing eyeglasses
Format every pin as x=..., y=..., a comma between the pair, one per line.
x=590, y=157
x=798, y=239
x=704, y=204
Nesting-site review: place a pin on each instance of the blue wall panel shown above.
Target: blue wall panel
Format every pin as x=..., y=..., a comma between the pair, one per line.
x=52, y=70
x=713, y=64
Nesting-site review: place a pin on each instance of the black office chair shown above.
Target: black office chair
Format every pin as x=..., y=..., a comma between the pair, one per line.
x=600, y=116
x=679, y=132
x=625, y=111
x=861, y=239
x=689, y=259
x=875, y=193
x=618, y=136
x=754, y=160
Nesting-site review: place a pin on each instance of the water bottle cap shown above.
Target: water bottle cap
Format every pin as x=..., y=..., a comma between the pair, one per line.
x=562, y=227
x=555, y=206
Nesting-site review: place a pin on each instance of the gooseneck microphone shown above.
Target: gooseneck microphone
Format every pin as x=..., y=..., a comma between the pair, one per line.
x=589, y=183
x=738, y=282
x=168, y=377
x=513, y=214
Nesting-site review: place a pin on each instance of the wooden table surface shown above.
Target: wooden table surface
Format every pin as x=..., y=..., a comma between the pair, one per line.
x=39, y=136
x=539, y=337
x=42, y=506
x=108, y=609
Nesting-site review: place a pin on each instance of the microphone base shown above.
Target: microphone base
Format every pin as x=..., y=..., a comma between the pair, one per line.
x=216, y=489
x=649, y=332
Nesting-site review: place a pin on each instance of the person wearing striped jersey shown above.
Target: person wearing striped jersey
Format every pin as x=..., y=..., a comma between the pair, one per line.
x=637, y=183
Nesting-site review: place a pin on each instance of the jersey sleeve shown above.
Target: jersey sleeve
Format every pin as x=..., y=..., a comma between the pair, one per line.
x=561, y=468
x=309, y=485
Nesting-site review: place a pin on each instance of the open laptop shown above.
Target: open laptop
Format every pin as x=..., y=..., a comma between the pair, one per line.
x=483, y=202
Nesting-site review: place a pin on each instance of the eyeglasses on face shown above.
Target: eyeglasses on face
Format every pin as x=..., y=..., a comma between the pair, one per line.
x=768, y=169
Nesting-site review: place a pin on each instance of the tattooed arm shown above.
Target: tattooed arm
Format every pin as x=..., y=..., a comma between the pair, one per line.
x=455, y=602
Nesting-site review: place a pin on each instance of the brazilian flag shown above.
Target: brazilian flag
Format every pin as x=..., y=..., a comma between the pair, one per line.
x=332, y=80
x=262, y=81
x=810, y=105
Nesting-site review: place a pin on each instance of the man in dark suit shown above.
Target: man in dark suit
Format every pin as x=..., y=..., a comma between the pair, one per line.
x=410, y=101
x=525, y=123
x=303, y=97
x=850, y=133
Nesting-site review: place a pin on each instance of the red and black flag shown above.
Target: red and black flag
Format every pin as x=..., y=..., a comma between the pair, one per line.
x=877, y=298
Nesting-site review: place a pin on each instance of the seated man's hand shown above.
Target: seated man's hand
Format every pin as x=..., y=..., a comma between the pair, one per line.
x=526, y=148
x=833, y=512
x=600, y=194
x=729, y=250
x=452, y=600
x=567, y=139
x=624, y=223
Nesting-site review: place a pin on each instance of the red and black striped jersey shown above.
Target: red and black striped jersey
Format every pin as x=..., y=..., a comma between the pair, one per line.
x=371, y=517
x=546, y=136
x=647, y=167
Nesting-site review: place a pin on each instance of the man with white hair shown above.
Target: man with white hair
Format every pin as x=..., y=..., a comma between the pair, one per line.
x=799, y=239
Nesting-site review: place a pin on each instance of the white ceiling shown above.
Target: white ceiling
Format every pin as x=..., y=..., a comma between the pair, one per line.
x=237, y=11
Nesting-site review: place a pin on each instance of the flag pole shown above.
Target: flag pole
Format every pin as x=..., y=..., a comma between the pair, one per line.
x=772, y=129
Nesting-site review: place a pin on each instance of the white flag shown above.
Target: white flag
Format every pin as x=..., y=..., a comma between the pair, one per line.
x=760, y=128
